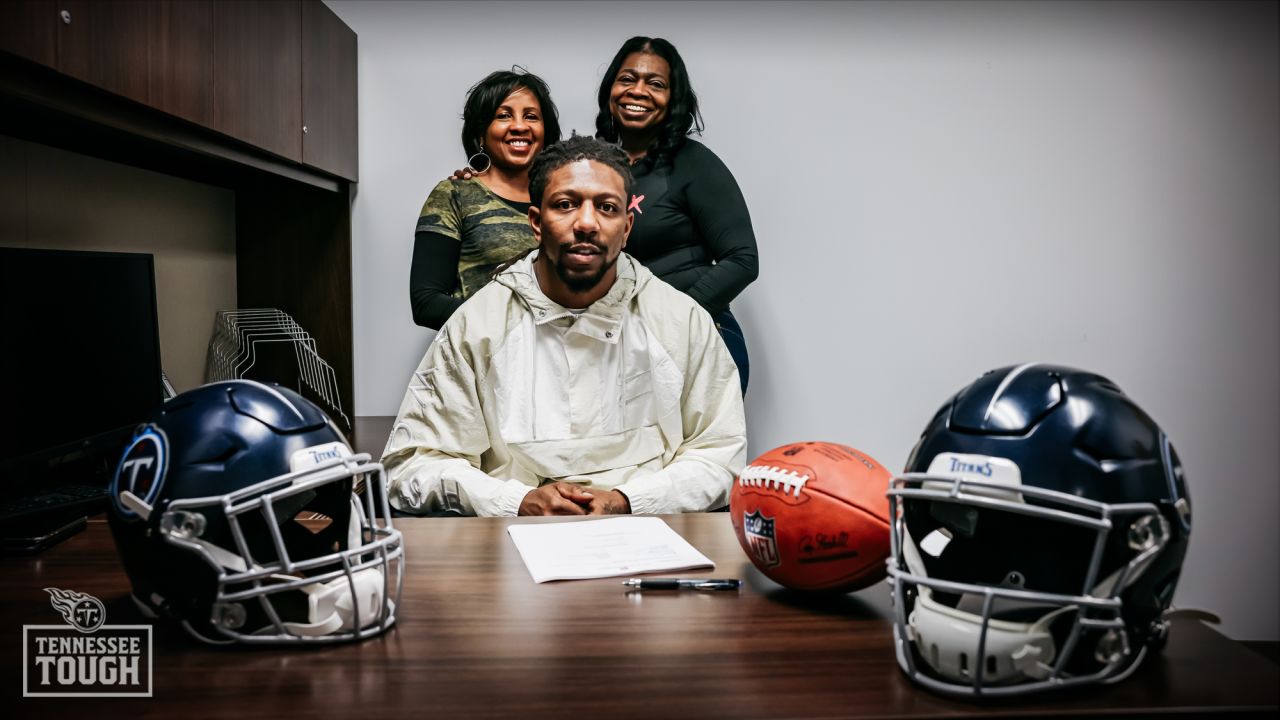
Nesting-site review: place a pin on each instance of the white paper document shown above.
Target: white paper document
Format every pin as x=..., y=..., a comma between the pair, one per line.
x=603, y=548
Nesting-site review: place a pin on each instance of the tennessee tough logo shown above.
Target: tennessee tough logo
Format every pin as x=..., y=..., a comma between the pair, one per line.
x=83, y=612
x=85, y=657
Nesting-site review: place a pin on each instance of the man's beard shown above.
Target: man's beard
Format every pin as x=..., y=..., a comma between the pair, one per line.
x=582, y=283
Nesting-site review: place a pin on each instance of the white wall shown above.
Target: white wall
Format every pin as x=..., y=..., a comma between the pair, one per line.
x=938, y=189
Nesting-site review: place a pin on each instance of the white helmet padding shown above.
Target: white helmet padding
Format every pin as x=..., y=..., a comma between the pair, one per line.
x=948, y=640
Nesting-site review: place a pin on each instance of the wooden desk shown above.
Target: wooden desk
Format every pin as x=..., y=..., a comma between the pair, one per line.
x=477, y=638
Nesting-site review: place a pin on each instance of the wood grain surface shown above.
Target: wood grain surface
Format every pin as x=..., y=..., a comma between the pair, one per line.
x=257, y=81
x=329, y=101
x=476, y=638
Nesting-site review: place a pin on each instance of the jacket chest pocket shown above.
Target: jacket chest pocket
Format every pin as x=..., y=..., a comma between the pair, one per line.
x=638, y=404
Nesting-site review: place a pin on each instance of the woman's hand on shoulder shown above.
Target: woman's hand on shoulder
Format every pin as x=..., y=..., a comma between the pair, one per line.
x=462, y=174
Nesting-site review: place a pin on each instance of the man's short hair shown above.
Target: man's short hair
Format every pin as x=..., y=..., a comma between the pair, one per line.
x=577, y=148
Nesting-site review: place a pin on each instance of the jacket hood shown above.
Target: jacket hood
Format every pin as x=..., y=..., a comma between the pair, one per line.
x=632, y=278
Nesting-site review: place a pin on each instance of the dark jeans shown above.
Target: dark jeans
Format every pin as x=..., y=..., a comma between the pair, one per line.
x=731, y=333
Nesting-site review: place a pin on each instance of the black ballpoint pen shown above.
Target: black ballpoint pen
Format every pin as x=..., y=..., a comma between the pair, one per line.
x=682, y=584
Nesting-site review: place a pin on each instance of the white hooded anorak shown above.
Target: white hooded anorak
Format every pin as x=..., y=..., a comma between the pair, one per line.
x=637, y=393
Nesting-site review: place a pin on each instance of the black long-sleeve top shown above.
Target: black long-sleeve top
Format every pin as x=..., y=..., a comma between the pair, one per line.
x=692, y=227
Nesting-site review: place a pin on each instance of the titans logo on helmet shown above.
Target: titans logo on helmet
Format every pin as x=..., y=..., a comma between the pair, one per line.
x=141, y=470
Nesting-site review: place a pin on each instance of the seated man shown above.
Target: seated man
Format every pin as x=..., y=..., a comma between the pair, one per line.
x=576, y=382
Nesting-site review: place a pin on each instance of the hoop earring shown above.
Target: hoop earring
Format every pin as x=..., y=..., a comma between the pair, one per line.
x=484, y=160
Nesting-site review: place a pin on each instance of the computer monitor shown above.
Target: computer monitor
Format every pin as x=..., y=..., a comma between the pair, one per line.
x=80, y=365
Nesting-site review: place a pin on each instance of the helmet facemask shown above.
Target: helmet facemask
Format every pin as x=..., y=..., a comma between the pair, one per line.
x=1003, y=589
x=299, y=558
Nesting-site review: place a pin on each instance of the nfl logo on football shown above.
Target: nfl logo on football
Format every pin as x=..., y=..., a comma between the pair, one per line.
x=85, y=657
x=759, y=532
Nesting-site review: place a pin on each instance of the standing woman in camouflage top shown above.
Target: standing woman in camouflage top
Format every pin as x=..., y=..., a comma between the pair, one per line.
x=469, y=227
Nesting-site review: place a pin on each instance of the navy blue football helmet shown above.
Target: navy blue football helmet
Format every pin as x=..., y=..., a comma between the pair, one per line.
x=241, y=512
x=1038, y=534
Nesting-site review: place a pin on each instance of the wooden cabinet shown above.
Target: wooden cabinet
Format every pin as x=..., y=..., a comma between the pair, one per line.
x=293, y=252
x=215, y=91
x=28, y=28
x=257, y=83
x=328, y=92
x=277, y=75
x=104, y=43
x=180, y=70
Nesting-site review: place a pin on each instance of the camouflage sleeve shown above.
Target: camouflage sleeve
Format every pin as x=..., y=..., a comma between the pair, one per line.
x=440, y=213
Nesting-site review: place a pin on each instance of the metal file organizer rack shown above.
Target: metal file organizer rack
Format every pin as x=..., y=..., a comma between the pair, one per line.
x=234, y=348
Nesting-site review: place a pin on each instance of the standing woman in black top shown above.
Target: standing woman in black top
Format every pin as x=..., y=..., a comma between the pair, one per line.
x=692, y=228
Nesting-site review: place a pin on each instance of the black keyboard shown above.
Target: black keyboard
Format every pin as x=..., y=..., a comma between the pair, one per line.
x=64, y=497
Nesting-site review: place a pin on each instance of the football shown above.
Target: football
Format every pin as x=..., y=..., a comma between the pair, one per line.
x=814, y=516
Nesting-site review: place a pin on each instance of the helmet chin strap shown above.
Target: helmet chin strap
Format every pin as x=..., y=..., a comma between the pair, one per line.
x=947, y=638
x=335, y=605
